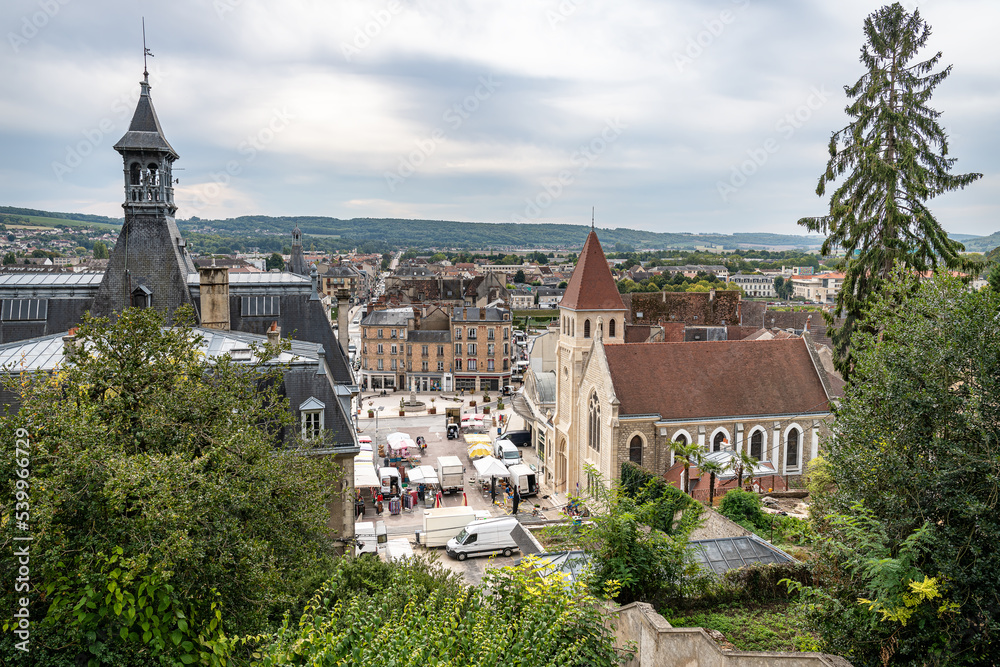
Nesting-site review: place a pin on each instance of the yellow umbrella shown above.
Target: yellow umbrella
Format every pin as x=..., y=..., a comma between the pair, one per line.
x=479, y=449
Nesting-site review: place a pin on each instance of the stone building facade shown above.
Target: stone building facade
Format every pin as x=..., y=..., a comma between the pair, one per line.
x=617, y=401
x=432, y=350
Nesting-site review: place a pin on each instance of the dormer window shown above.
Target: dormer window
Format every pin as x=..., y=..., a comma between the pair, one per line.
x=142, y=297
x=311, y=412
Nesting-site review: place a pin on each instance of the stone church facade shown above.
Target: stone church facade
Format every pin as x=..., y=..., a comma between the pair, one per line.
x=618, y=401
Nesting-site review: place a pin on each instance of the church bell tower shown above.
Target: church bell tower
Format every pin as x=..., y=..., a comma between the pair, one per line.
x=150, y=265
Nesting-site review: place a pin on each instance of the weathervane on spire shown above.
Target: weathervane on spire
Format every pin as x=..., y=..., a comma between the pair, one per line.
x=592, y=210
x=145, y=51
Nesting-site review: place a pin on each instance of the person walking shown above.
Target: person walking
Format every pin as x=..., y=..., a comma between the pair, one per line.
x=517, y=499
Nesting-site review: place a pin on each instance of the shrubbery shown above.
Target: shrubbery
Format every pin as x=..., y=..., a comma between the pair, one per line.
x=415, y=613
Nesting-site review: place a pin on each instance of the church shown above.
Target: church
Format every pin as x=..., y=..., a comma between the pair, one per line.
x=150, y=267
x=601, y=390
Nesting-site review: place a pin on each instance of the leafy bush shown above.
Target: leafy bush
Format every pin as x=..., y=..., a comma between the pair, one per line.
x=166, y=518
x=744, y=508
x=661, y=501
x=413, y=613
x=759, y=582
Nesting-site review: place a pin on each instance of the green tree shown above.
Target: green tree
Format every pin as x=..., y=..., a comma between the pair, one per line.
x=629, y=549
x=894, y=157
x=9, y=258
x=519, y=277
x=914, y=449
x=410, y=613
x=687, y=454
x=166, y=514
x=784, y=287
x=275, y=261
x=713, y=468
x=563, y=285
x=994, y=276
x=100, y=250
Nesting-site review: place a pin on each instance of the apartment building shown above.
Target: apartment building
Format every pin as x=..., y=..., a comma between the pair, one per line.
x=431, y=350
x=755, y=285
x=819, y=288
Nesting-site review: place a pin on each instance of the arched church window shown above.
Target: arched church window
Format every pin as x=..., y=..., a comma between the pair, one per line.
x=757, y=445
x=718, y=442
x=586, y=328
x=792, y=449
x=154, y=175
x=635, y=450
x=594, y=439
x=134, y=177
x=611, y=329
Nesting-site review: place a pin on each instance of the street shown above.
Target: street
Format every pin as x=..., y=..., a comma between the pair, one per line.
x=432, y=428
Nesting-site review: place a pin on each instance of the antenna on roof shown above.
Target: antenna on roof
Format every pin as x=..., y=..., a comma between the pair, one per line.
x=145, y=51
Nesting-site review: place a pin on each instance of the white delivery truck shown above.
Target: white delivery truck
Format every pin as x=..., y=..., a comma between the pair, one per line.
x=371, y=537
x=484, y=538
x=451, y=474
x=443, y=523
x=524, y=479
x=506, y=451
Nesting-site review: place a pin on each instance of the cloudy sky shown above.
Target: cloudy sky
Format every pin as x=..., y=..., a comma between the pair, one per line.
x=700, y=116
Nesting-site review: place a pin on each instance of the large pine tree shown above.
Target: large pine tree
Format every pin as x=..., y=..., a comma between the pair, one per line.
x=895, y=157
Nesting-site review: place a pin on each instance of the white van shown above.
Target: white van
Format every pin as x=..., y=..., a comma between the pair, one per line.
x=389, y=477
x=506, y=452
x=484, y=538
x=524, y=479
x=370, y=537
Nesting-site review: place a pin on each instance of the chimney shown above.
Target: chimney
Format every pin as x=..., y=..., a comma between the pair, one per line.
x=69, y=343
x=808, y=318
x=274, y=333
x=343, y=311
x=214, y=291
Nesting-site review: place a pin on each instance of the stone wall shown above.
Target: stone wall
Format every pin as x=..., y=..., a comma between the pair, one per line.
x=660, y=645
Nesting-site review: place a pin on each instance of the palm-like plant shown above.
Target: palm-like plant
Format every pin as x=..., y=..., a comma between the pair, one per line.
x=742, y=465
x=713, y=468
x=687, y=454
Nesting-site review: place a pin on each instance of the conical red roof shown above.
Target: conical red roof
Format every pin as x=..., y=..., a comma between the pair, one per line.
x=592, y=287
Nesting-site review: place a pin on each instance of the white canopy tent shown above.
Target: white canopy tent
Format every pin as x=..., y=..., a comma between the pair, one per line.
x=422, y=475
x=489, y=466
x=364, y=474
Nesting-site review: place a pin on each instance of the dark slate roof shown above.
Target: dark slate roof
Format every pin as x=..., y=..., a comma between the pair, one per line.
x=301, y=318
x=477, y=315
x=144, y=132
x=426, y=336
x=592, y=287
x=735, y=379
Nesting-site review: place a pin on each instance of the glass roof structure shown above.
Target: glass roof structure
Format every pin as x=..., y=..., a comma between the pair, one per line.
x=728, y=553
